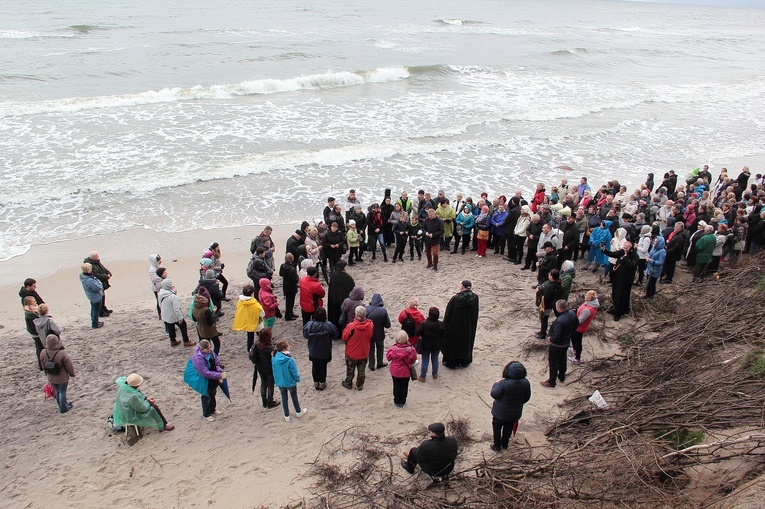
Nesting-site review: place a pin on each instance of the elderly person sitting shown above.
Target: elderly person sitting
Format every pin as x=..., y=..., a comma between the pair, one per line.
x=133, y=408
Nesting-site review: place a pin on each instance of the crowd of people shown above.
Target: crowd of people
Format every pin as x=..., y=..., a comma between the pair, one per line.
x=636, y=238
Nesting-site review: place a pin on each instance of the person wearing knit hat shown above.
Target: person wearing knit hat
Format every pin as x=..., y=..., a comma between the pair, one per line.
x=435, y=456
x=135, y=409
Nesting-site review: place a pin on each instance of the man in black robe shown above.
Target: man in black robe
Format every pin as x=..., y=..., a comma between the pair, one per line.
x=340, y=286
x=460, y=322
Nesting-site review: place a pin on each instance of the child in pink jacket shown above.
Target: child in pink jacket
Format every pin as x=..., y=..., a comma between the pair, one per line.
x=401, y=356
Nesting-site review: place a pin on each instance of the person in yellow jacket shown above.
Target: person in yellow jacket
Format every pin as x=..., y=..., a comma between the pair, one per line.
x=447, y=215
x=249, y=315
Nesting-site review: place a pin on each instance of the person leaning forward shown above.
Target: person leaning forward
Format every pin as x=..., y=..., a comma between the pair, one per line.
x=435, y=456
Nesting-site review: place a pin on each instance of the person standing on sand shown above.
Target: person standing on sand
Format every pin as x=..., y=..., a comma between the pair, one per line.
x=585, y=314
x=205, y=319
x=311, y=294
x=560, y=338
x=172, y=314
x=431, y=333
x=461, y=322
x=94, y=291
x=260, y=355
x=30, y=290
x=290, y=281
x=59, y=375
x=357, y=336
x=319, y=333
x=433, y=230
x=30, y=315
x=268, y=300
x=402, y=356
x=155, y=263
x=416, y=316
x=218, y=267
x=286, y=378
x=102, y=274
x=378, y=315
x=340, y=287
x=510, y=393
x=206, y=375
x=249, y=314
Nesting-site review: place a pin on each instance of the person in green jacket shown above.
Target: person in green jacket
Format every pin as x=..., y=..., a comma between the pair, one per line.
x=132, y=407
x=704, y=247
x=447, y=215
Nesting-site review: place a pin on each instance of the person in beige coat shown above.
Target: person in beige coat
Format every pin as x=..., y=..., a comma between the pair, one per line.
x=59, y=374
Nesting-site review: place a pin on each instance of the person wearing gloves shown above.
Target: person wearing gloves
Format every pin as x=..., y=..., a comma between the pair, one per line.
x=510, y=393
x=286, y=378
x=204, y=373
x=132, y=407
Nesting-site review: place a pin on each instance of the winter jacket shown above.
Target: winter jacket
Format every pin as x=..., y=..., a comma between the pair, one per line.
x=401, y=357
x=358, y=336
x=644, y=245
x=447, y=215
x=94, y=289
x=290, y=280
x=566, y=280
x=435, y=227
x=378, y=315
x=704, y=248
x=349, y=305
x=498, y=223
x=44, y=325
x=204, y=318
x=258, y=269
x=261, y=358
x=547, y=294
x=285, y=370
x=154, y=279
x=562, y=327
x=320, y=336
x=418, y=319
x=465, y=222
x=170, y=306
x=211, y=285
x=586, y=314
x=267, y=298
x=352, y=237
x=200, y=361
x=656, y=258
x=99, y=272
x=510, y=393
x=432, y=335
x=54, y=350
x=248, y=313
x=132, y=407
x=311, y=293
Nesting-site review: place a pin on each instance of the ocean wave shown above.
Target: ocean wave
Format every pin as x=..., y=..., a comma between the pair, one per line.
x=168, y=95
x=570, y=52
x=25, y=34
x=457, y=22
x=85, y=29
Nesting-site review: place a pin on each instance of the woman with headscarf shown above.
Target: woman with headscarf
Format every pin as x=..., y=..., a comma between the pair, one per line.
x=655, y=263
x=483, y=225
x=643, y=247
x=567, y=275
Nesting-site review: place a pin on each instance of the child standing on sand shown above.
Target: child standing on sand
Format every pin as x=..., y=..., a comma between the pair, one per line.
x=286, y=378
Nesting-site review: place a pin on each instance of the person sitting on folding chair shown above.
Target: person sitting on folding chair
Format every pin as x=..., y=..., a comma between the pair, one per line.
x=132, y=408
x=435, y=456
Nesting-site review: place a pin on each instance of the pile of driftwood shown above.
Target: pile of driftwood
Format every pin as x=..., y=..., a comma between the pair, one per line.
x=685, y=424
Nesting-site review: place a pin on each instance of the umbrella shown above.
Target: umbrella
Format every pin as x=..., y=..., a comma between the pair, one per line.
x=224, y=388
x=254, y=378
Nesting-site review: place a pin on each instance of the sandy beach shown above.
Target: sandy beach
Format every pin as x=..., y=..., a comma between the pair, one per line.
x=249, y=457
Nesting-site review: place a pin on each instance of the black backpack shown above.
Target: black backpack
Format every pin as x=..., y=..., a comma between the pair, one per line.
x=50, y=365
x=408, y=325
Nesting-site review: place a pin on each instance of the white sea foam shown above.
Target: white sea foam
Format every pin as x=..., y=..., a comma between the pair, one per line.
x=26, y=34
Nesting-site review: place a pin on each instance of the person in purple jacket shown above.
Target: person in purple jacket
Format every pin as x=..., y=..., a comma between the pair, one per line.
x=207, y=364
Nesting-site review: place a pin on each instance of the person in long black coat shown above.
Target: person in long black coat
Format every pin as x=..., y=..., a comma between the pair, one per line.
x=622, y=276
x=510, y=393
x=460, y=321
x=340, y=287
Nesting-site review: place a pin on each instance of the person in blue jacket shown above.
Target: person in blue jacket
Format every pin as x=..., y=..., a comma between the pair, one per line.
x=498, y=228
x=94, y=291
x=655, y=264
x=204, y=374
x=510, y=393
x=286, y=378
x=600, y=235
x=465, y=222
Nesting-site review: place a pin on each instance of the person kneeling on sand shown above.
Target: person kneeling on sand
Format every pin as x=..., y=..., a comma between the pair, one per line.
x=435, y=456
x=132, y=407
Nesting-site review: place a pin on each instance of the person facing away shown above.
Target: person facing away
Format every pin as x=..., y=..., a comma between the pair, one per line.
x=378, y=315
x=286, y=378
x=59, y=375
x=402, y=356
x=357, y=336
x=435, y=456
x=510, y=393
x=460, y=321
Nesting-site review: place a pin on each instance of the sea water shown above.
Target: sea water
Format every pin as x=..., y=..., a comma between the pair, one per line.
x=178, y=115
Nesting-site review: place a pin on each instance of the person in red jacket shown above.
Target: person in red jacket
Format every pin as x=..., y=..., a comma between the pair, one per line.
x=585, y=315
x=311, y=294
x=416, y=315
x=357, y=336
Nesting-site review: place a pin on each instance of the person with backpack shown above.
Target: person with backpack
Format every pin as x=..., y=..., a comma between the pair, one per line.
x=410, y=318
x=319, y=332
x=260, y=355
x=58, y=368
x=257, y=268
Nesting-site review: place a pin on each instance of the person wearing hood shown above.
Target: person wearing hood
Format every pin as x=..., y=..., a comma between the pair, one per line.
x=643, y=247
x=585, y=314
x=133, y=408
x=206, y=375
x=319, y=332
x=334, y=246
x=102, y=274
x=155, y=263
x=94, y=291
x=620, y=237
x=269, y=302
x=357, y=336
x=172, y=315
x=567, y=275
x=622, y=279
x=286, y=378
x=402, y=357
x=510, y=393
x=30, y=290
x=379, y=317
x=257, y=268
x=460, y=322
x=654, y=265
x=465, y=221
x=431, y=333
x=649, y=182
x=348, y=307
x=261, y=354
x=59, y=375
x=249, y=315
x=211, y=285
x=600, y=236
x=205, y=263
x=340, y=286
x=205, y=319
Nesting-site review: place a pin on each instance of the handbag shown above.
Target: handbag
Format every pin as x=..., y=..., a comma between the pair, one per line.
x=418, y=346
x=413, y=372
x=483, y=234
